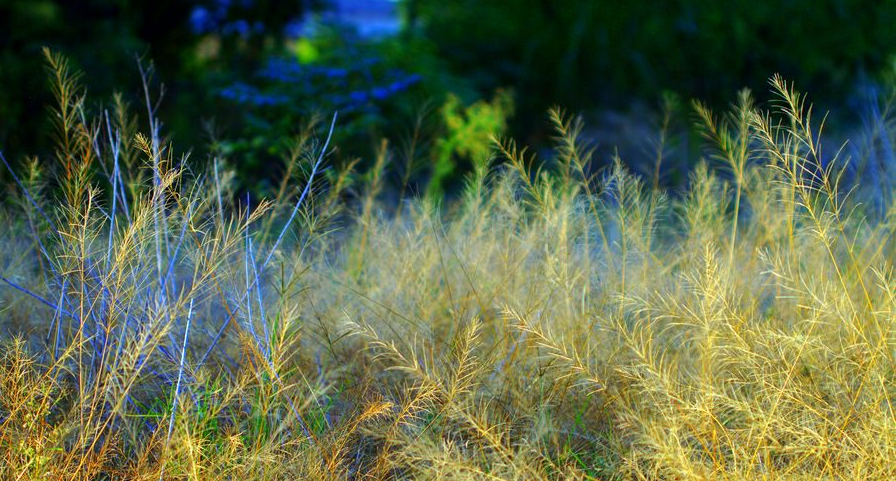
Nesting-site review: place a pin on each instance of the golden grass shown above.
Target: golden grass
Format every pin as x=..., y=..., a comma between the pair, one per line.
x=550, y=324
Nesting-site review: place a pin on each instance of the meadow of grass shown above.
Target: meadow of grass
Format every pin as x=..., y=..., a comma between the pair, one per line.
x=551, y=322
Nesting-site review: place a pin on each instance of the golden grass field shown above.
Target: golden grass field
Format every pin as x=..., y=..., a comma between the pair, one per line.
x=551, y=322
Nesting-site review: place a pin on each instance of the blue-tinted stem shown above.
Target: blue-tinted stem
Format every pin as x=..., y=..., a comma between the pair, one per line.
x=305, y=191
x=180, y=373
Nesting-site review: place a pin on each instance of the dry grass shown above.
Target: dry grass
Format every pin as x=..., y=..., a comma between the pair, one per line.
x=551, y=324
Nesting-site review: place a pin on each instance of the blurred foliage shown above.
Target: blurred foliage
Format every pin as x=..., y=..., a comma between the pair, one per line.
x=330, y=71
x=583, y=53
x=239, y=78
x=244, y=78
x=188, y=42
x=381, y=88
x=469, y=134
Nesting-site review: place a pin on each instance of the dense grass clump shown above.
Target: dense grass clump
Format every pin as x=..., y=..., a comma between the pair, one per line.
x=551, y=323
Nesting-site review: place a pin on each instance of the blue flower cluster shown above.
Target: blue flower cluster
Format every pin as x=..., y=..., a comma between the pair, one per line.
x=202, y=21
x=380, y=93
x=282, y=79
x=205, y=20
x=296, y=28
x=284, y=70
x=246, y=94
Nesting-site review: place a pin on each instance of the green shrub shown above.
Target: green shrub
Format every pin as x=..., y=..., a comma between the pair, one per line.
x=469, y=133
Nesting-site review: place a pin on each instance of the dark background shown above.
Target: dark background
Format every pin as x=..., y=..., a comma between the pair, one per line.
x=241, y=76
